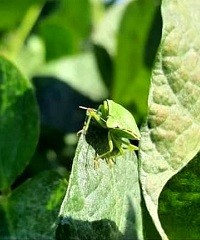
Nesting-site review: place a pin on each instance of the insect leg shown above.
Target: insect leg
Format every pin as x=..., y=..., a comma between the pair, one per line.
x=91, y=113
x=87, y=123
x=117, y=143
x=128, y=145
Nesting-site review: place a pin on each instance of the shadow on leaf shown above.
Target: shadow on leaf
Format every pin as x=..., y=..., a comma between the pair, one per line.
x=73, y=229
x=84, y=230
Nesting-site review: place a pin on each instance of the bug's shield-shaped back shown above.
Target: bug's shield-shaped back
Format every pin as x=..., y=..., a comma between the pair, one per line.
x=121, y=119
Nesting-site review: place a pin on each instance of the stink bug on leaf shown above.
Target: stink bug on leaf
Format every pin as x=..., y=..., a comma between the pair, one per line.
x=120, y=124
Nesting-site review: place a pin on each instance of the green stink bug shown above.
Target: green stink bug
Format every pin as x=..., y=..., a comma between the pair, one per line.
x=120, y=124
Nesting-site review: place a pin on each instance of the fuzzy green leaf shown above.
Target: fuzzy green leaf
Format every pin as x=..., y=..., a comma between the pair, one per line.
x=66, y=29
x=102, y=203
x=171, y=137
x=19, y=123
x=31, y=210
x=130, y=67
x=179, y=202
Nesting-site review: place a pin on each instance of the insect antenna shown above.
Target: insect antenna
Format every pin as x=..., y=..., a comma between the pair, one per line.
x=91, y=109
x=87, y=108
x=83, y=107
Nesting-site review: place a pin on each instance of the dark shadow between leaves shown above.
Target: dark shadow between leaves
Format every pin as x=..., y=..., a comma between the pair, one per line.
x=59, y=104
x=149, y=229
x=131, y=229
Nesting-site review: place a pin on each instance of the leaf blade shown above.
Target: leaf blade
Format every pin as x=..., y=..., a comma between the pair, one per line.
x=38, y=210
x=101, y=197
x=171, y=137
x=19, y=127
x=131, y=72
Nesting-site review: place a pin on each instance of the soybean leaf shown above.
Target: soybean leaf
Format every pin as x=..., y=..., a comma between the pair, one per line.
x=179, y=202
x=102, y=203
x=19, y=120
x=58, y=39
x=171, y=137
x=31, y=210
x=80, y=72
x=67, y=29
x=131, y=70
x=77, y=19
x=105, y=32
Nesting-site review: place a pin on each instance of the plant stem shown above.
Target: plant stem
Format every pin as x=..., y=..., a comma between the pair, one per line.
x=24, y=29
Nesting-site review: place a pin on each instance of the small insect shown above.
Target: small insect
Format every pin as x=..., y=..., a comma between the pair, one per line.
x=121, y=128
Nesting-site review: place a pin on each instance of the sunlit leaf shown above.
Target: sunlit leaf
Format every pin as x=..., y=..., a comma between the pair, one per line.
x=131, y=75
x=102, y=203
x=80, y=72
x=171, y=137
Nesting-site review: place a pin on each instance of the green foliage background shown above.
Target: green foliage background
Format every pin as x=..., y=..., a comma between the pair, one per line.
x=57, y=55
